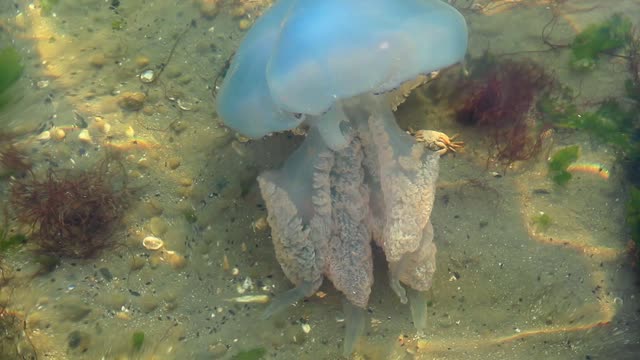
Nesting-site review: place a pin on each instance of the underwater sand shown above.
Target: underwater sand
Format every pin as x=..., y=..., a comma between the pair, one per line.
x=504, y=289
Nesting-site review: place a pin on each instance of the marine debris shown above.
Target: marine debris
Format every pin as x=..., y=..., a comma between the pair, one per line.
x=71, y=214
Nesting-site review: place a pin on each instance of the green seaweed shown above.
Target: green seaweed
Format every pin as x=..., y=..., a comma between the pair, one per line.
x=633, y=215
x=190, y=216
x=137, y=340
x=10, y=71
x=609, y=35
x=9, y=242
x=610, y=123
x=47, y=6
x=542, y=221
x=253, y=354
x=559, y=163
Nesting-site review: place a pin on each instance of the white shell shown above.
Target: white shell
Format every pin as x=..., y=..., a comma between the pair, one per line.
x=147, y=76
x=152, y=243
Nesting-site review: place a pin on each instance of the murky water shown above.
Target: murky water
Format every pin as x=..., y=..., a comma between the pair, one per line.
x=129, y=84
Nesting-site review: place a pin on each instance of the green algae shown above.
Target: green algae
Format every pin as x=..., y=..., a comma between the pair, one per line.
x=542, y=221
x=10, y=71
x=559, y=163
x=633, y=215
x=252, y=354
x=609, y=35
x=137, y=340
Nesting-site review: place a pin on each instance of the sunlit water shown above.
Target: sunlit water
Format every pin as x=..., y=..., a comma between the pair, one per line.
x=506, y=287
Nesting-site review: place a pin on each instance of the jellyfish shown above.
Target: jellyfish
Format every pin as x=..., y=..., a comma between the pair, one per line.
x=357, y=178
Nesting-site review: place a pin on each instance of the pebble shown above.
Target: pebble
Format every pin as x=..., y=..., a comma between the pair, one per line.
x=98, y=60
x=179, y=126
x=217, y=350
x=173, y=163
x=45, y=135
x=106, y=274
x=79, y=340
x=153, y=207
x=238, y=12
x=114, y=301
x=137, y=263
x=158, y=226
x=58, y=134
x=130, y=132
x=260, y=224
x=74, y=309
x=176, y=260
x=131, y=101
x=185, y=181
x=244, y=24
x=84, y=136
x=209, y=8
x=142, y=61
x=148, y=303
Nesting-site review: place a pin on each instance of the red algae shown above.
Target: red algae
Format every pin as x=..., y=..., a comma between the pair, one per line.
x=499, y=101
x=71, y=214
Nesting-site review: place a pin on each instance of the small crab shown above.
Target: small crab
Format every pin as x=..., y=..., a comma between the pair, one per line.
x=438, y=142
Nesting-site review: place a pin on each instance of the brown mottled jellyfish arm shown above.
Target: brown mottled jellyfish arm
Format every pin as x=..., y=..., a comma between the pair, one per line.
x=350, y=265
x=349, y=258
x=300, y=243
x=408, y=174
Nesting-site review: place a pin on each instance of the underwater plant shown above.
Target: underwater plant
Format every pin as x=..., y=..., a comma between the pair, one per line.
x=560, y=161
x=10, y=71
x=13, y=161
x=611, y=34
x=499, y=100
x=71, y=214
x=633, y=215
x=542, y=221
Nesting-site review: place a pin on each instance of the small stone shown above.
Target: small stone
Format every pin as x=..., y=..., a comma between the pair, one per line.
x=58, y=134
x=84, y=136
x=114, y=301
x=238, y=12
x=123, y=315
x=173, y=163
x=45, y=135
x=137, y=263
x=155, y=260
x=106, y=274
x=209, y=8
x=97, y=60
x=142, y=61
x=158, y=226
x=217, y=350
x=185, y=181
x=79, y=340
x=148, y=303
x=244, y=24
x=74, y=310
x=150, y=208
x=179, y=126
x=176, y=260
x=148, y=110
x=102, y=126
x=131, y=101
x=130, y=132
x=260, y=224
